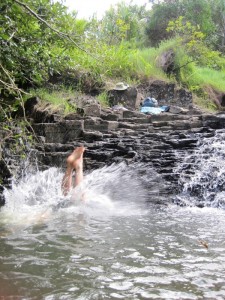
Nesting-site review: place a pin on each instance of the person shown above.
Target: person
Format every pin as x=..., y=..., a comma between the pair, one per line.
x=74, y=162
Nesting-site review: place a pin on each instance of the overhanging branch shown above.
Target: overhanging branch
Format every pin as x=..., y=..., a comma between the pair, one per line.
x=59, y=33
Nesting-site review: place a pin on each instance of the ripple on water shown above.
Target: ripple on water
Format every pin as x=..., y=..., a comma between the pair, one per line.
x=121, y=286
x=119, y=251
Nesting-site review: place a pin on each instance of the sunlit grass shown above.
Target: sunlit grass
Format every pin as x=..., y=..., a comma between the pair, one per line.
x=207, y=76
x=145, y=64
x=113, y=63
x=109, y=61
x=56, y=101
x=103, y=99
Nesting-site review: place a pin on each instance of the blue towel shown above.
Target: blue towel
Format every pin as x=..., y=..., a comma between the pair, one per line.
x=154, y=110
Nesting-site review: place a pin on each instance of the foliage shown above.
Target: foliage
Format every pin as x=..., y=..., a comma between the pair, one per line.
x=217, y=8
x=31, y=40
x=109, y=61
x=198, y=12
x=144, y=62
x=103, y=99
x=56, y=101
x=40, y=39
x=122, y=23
x=202, y=76
x=192, y=39
x=159, y=17
x=208, y=15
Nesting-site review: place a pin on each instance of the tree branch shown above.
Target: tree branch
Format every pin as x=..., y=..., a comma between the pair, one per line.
x=19, y=92
x=59, y=33
x=12, y=84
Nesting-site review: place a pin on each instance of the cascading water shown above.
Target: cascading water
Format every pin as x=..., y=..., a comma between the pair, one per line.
x=202, y=174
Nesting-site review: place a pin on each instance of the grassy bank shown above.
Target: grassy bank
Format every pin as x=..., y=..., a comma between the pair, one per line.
x=110, y=64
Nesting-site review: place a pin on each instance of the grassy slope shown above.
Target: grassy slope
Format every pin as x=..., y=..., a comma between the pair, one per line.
x=120, y=63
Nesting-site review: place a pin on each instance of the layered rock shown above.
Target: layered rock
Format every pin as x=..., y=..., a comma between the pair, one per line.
x=154, y=144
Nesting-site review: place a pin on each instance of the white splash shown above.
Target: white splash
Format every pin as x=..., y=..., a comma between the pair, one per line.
x=113, y=190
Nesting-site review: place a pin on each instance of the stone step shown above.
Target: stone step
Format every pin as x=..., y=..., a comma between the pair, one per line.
x=133, y=114
x=54, y=147
x=173, y=117
x=64, y=132
x=100, y=125
x=132, y=126
x=160, y=129
x=178, y=125
x=137, y=120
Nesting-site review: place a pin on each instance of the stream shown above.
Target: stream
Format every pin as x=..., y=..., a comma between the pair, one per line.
x=106, y=240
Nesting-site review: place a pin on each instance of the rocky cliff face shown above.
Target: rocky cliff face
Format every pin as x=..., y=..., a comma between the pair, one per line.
x=152, y=144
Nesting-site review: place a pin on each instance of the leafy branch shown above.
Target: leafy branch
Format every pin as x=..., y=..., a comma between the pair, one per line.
x=12, y=86
x=59, y=33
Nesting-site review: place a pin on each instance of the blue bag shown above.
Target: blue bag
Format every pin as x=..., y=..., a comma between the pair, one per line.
x=150, y=102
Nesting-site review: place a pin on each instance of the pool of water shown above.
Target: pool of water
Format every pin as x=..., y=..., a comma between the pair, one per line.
x=110, y=246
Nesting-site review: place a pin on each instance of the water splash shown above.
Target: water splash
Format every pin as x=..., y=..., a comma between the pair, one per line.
x=115, y=189
x=202, y=174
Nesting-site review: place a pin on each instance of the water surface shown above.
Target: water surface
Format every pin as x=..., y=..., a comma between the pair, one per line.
x=113, y=245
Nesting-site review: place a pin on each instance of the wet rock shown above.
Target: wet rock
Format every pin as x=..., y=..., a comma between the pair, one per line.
x=128, y=97
x=30, y=105
x=166, y=93
x=5, y=173
x=2, y=198
x=221, y=117
x=183, y=143
x=156, y=143
x=178, y=110
x=166, y=61
x=212, y=121
x=92, y=110
x=62, y=132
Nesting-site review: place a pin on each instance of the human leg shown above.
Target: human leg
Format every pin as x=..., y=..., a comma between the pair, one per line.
x=74, y=162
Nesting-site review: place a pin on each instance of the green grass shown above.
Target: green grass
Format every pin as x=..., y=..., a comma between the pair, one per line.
x=207, y=76
x=145, y=64
x=103, y=99
x=56, y=101
x=120, y=63
x=109, y=61
x=205, y=104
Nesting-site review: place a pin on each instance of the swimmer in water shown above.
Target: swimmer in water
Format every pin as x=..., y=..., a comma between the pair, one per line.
x=74, y=162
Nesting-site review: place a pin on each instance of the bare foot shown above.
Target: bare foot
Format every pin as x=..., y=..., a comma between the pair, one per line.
x=75, y=159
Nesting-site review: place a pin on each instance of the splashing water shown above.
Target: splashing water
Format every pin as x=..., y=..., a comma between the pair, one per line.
x=109, y=190
x=202, y=174
x=110, y=246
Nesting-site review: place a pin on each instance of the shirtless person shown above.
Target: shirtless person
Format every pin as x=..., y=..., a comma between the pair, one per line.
x=74, y=162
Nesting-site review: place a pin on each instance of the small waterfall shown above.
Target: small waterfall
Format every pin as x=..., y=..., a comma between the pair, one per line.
x=202, y=174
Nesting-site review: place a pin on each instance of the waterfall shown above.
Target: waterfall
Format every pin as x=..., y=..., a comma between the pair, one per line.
x=202, y=174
